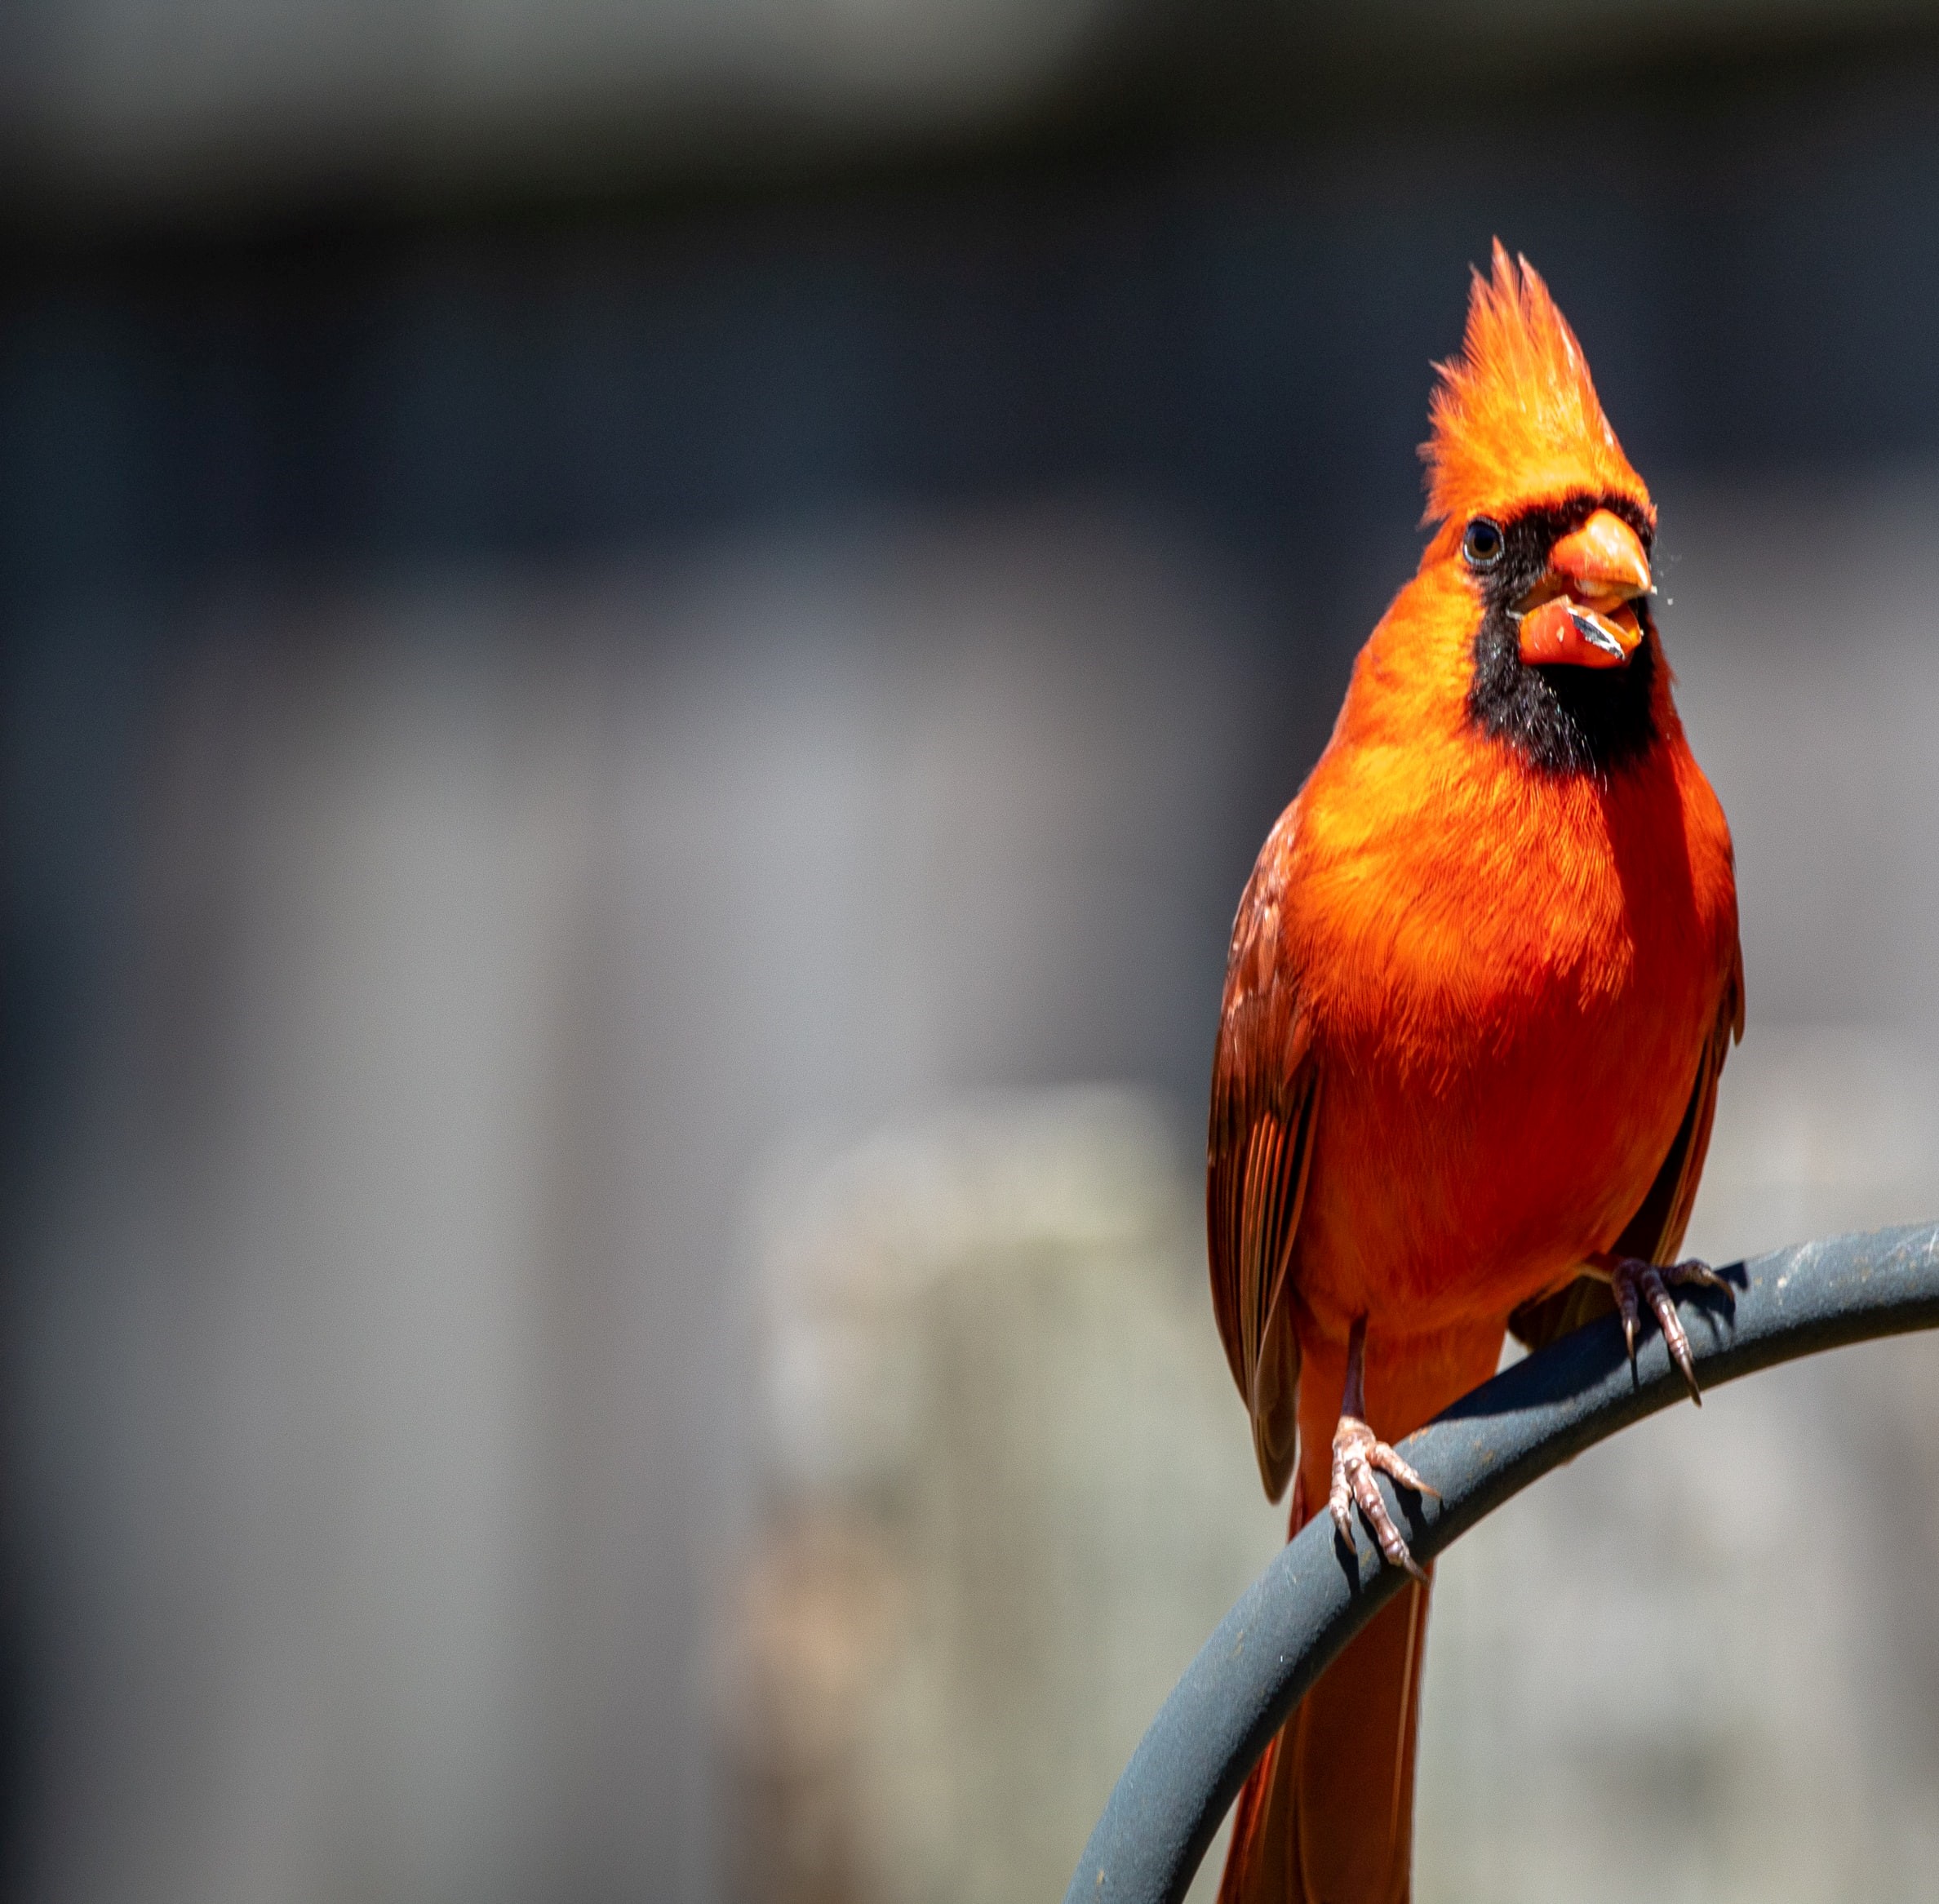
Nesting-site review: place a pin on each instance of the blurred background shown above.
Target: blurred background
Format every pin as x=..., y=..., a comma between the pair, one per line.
x=642, y=649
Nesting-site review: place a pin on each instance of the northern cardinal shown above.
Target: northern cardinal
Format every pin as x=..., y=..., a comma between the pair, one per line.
x=1481, y=988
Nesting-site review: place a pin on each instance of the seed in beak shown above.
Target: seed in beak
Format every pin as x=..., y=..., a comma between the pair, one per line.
x=1597, y=634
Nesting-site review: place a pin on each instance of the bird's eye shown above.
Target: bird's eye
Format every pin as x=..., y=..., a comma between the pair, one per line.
x=1481, y=547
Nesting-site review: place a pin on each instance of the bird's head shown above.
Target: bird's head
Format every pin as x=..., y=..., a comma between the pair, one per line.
x=1543, y=519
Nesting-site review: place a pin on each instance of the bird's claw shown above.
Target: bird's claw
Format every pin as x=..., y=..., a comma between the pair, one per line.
x=1634, y=1282
x=1356, y=1452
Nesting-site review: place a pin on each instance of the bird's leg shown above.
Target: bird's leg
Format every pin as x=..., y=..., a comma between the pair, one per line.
x=1356, y=1452
x=1634, y=1282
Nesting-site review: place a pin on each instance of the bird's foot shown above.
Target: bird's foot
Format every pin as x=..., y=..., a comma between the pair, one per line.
x=1634, y=1282
x=1356, y=1452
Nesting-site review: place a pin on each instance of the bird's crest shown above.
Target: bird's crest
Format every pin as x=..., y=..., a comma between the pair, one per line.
x=1515, y=419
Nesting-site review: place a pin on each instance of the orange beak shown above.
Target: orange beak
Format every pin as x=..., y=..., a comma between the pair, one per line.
x=1582, y=613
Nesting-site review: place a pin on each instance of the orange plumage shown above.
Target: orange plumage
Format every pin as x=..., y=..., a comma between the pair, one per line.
x=1481, y=983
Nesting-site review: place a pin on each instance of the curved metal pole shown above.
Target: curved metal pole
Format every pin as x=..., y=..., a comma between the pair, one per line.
x=1296, y=1616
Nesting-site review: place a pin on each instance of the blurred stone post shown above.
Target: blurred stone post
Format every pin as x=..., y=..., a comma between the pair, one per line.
x=1008, y=1491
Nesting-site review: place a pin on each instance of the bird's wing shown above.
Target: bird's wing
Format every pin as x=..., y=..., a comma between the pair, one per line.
x=1655, y=1233
x=1265, y=1095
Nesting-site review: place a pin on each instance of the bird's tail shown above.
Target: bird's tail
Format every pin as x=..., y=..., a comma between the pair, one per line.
x=1327, y=1816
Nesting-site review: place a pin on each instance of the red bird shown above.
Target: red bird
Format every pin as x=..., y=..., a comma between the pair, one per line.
x=1481, y=987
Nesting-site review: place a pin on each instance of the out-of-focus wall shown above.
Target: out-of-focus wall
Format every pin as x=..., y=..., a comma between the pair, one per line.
x=387, y=1428
x=202, y=107
x=522, y=713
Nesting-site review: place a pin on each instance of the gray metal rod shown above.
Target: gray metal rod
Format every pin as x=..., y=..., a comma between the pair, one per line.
x=1293, y=1621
